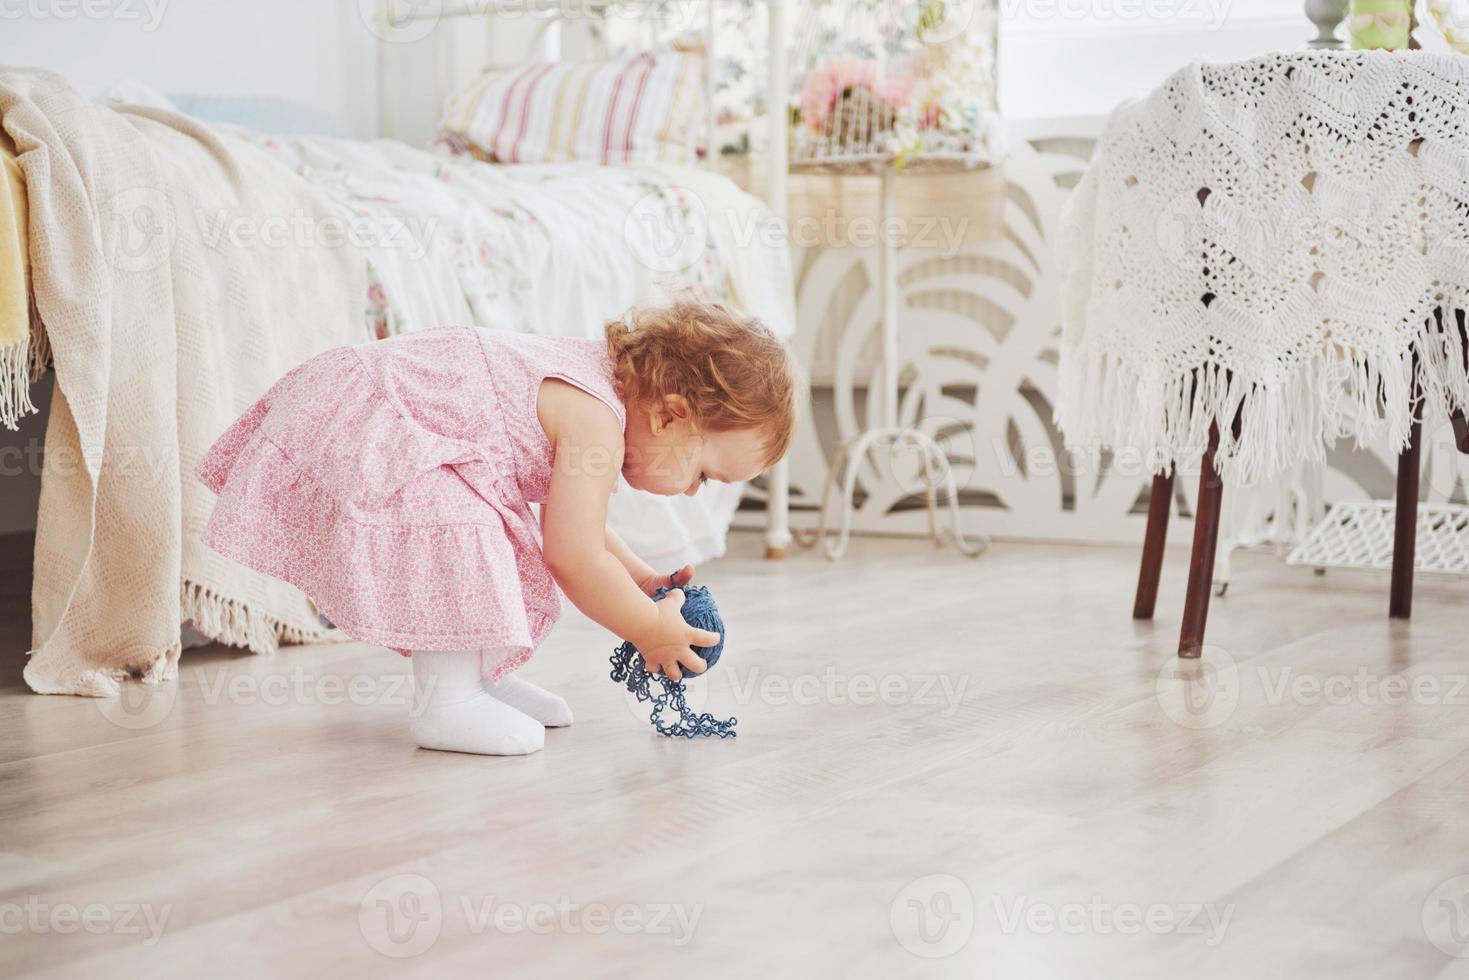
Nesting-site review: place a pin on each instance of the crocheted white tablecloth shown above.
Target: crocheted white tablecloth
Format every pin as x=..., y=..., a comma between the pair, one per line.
x=1271, y=238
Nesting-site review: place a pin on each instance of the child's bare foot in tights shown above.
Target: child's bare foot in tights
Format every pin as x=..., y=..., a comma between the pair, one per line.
x=453, y=712
x=549, y=709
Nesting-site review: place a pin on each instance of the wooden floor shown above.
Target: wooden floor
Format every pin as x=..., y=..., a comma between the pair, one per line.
x=944, y=768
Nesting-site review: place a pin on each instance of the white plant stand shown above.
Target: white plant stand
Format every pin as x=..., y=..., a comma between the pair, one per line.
x=890, y=435
x=1359, y=534
x=1278, y=513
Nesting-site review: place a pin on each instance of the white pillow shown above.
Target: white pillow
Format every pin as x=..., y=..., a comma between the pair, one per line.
x=642, y=108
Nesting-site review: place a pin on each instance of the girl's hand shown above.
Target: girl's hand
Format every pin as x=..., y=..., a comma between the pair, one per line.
x=653, y=581
x=669, y=644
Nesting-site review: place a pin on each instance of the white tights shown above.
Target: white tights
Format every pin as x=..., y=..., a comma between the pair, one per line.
x=455, y=711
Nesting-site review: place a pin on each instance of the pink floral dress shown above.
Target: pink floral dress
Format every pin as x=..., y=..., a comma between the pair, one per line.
x=392, y=482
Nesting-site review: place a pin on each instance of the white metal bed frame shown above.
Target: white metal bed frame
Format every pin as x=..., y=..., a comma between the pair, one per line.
x=392, y=15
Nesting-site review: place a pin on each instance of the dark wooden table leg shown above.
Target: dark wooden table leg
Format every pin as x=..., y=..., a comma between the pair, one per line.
x=1460, y=419
x=1160, y=502
x=1405, y=530
x=1201, y=560
x=1460, y=422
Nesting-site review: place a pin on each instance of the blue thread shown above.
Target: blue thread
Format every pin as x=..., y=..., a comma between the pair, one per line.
x=628, y=669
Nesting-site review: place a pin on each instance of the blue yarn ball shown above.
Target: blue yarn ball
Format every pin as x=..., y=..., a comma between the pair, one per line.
x=629, y=670
x=700, y=612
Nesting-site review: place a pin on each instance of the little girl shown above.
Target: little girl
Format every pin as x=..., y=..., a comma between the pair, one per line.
x=392, y=483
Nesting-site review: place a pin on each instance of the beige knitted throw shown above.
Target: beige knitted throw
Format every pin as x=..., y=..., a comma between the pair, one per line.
x=168, y=308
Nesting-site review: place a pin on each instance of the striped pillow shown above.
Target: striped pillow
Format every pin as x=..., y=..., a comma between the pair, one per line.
x=637, y=109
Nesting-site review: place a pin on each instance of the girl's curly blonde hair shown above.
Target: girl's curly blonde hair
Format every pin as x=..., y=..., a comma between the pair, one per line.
x=731, y=369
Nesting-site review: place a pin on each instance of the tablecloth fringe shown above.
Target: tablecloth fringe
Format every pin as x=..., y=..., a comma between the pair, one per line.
x=1107, y=403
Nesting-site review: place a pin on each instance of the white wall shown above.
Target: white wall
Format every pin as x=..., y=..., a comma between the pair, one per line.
x=319, y=52
x=1072, y=58
x=1057, y=57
